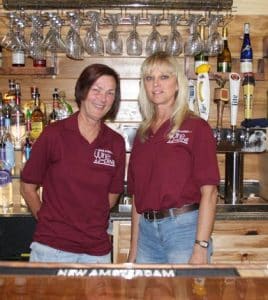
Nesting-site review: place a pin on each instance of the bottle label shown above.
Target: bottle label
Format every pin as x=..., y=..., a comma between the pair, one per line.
x=18, y=131
x=248, y=49
x=37, y=128
x=10, y=155
x=248, y=90
x=41, y=62
x=18, y=58
x=5, y=177
x=246, y=66
x=5, y=189
x=7, y=122
x=224, y=66
x=27, y=152
x=2, y=153
x=198, y=63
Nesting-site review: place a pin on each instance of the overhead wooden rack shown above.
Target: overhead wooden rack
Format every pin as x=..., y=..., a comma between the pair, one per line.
x=202, y=5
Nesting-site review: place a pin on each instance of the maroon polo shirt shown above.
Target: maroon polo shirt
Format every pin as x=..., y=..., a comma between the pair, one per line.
x=76, y=177
x=166, y=173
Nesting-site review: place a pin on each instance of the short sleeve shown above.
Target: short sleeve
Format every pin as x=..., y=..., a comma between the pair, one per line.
x=35, y=168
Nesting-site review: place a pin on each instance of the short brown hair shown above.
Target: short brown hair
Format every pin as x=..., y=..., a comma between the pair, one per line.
x=88, y=77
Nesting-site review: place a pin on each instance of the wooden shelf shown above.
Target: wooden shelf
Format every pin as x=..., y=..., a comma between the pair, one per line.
x=260, y=75
x=27, y=71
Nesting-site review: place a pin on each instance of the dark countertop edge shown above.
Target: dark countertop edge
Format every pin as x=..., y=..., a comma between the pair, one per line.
x=219, y=216
x=224, y=212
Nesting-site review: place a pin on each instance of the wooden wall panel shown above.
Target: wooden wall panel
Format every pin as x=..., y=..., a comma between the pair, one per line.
x=234, y=241
x=240, y=241
x=255, y=13
x=246, y=7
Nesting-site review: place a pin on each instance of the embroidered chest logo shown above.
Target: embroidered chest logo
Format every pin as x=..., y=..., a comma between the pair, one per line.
x=103, y=157
x=180, y=136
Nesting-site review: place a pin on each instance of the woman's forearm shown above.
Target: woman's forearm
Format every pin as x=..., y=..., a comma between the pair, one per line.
x=30, y=194
x=206, y=219
x=135, y=217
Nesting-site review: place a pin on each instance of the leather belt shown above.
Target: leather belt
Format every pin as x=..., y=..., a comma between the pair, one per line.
x=161, y=214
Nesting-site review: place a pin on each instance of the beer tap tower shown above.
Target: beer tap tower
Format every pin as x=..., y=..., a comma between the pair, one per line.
x=235, y=142
x=226, y=143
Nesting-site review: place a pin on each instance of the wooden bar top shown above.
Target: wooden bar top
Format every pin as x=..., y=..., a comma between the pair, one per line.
x=76, y=281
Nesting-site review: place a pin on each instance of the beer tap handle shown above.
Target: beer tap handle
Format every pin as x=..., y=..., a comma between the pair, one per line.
x=221, y=97
x=234, y=79
x=203, y=90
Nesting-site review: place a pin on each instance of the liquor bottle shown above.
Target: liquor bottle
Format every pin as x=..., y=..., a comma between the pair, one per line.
x=39, y=59
x=37, y=119
x=18, y=58
x=248, y=90
x=7, y=113
x=6, y=195
x=2, y=151
x=29, y=104
x=18, y=128
x=6, y=137
x=9, y=97
x=53, y=117
x=28, y=123
x=246, y=55
x=26, y=150
x=201, y=58
x=18, y=54
x=65, y=109
x=39, y=62
x=224, y=59
x=10, y=151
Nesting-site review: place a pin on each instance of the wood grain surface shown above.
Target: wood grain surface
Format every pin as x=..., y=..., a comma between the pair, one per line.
x=256, y=13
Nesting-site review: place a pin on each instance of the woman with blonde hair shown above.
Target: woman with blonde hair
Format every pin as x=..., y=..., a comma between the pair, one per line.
x=173, y=172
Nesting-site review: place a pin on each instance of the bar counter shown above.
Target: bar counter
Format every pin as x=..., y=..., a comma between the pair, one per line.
x=240, y=233
x=127, y=281
x=224, y=212
x=251, y=210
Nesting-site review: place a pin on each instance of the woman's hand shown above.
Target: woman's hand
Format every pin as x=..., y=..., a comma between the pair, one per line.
x=131, y=257
x=199, y=256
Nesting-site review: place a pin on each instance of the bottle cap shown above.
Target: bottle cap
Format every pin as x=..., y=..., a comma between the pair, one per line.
x=246, y=28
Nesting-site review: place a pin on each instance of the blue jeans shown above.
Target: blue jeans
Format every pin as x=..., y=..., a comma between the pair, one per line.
x=168, y=240
x=44, y=253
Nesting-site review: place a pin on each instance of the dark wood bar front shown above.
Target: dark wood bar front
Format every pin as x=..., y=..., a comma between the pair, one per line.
x=73, y=281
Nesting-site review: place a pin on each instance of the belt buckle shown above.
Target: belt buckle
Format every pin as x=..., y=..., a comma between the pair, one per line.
x=153, y=215
x=147, y=216
x=157, y=215
x=150, y=215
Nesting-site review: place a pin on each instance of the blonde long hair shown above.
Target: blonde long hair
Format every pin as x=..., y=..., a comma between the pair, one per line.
x=168, y=64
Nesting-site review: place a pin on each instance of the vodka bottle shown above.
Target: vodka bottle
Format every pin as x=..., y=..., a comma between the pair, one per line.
x=246, y=54
x=18, y=128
